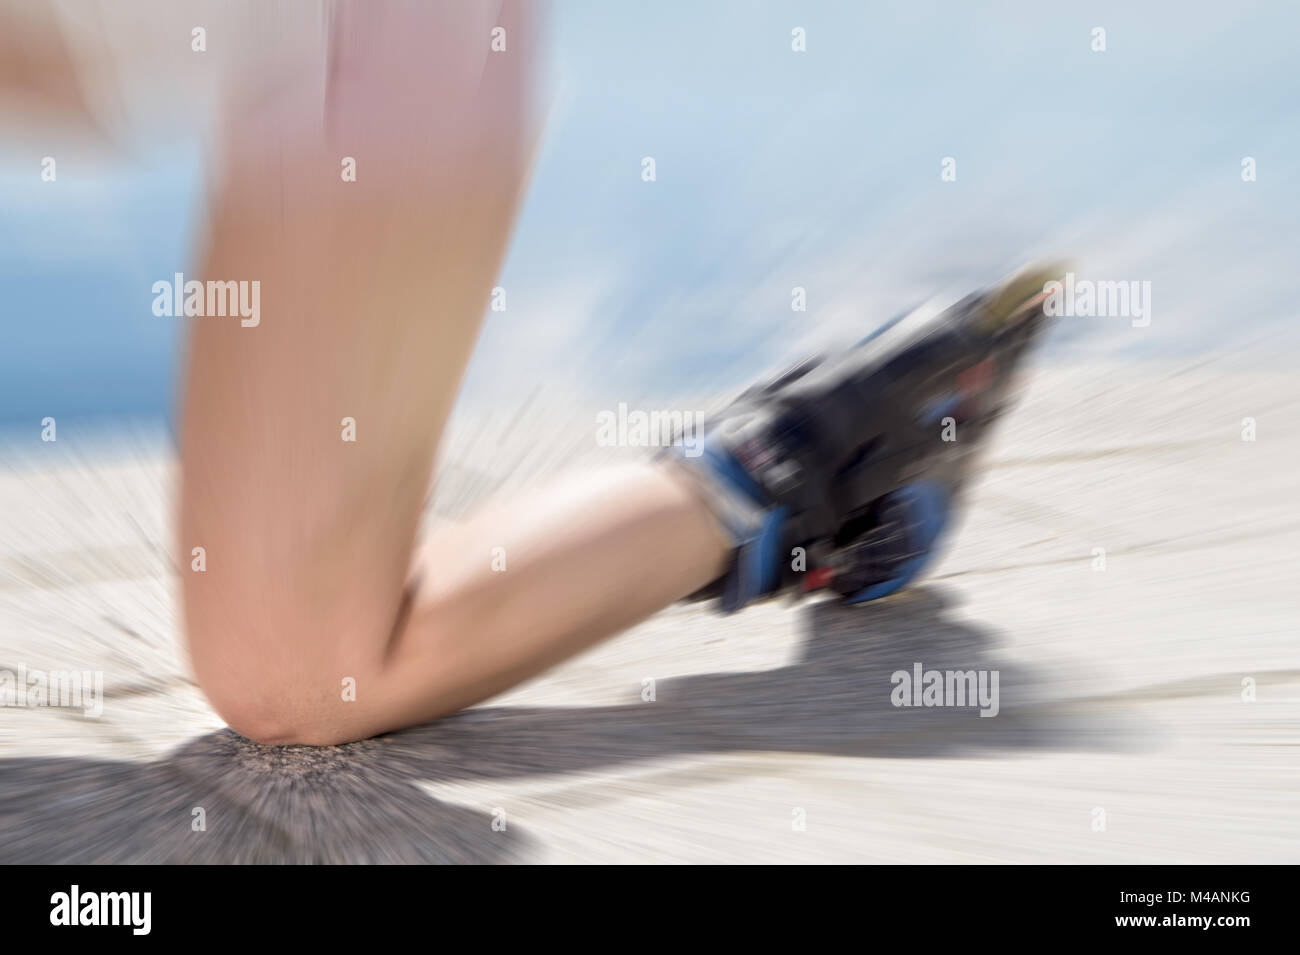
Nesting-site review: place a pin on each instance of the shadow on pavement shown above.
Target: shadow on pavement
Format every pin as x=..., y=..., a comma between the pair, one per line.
x=362, y=802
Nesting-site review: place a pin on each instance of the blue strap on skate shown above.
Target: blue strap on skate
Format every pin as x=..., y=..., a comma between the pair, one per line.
x=756, y=571
x=927, y=504
x=753, y=525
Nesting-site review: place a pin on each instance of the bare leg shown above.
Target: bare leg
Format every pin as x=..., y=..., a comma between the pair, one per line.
x=371, y=296
x=584, y=561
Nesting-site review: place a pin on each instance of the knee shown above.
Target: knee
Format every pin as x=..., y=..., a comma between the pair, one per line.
x=264, y=712
x=268, y=721
x=276, y=704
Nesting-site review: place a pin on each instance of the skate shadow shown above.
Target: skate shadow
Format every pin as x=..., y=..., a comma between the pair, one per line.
x=364, y=802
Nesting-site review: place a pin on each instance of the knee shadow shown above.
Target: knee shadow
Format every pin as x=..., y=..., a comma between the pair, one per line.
x=363, y=802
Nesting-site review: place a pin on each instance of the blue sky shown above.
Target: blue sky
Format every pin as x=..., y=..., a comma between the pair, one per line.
x=775, y=169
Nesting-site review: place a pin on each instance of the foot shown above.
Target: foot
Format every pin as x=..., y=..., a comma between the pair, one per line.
x=843, y=472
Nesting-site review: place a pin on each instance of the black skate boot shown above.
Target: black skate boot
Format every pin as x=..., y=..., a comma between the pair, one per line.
x=843, y=472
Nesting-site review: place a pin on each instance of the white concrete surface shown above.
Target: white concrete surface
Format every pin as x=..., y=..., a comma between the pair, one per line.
x=1121, y=690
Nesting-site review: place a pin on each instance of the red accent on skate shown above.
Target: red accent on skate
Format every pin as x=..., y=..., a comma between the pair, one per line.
x=971, y=383
x=817, y=578
x=976, y=378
